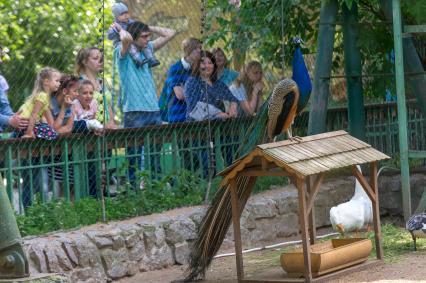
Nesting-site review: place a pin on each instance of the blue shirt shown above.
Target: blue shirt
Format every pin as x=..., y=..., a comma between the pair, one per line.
x=171, y=108
x=198, y=90
x=138, y=92
x=228, y=76
x=5, y=110
x=56, y=109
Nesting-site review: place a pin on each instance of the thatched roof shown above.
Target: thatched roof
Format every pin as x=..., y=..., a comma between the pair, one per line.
x=314, y=154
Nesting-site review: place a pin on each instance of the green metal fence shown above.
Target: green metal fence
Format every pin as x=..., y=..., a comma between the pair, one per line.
x=75, y=161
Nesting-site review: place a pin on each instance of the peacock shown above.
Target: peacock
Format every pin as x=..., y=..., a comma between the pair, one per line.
x=275, y=117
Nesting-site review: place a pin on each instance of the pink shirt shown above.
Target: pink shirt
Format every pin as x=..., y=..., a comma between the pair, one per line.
x=82, y=114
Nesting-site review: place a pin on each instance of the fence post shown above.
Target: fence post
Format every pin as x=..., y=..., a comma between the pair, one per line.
x=402, y=109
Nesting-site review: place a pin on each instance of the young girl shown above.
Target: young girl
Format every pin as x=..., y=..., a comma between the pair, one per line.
x=248, y=89
x=61, y=104
x=85, y=107
x=36, y=108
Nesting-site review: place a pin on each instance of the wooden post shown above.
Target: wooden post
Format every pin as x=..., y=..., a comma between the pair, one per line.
x=312, y=226
x=376, y=209
x=303, y=220
x=237, y=230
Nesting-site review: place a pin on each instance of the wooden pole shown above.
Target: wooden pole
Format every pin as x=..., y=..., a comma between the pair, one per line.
x=312, y=226
x=303, y=219
x=376, y=210
x=237, y=230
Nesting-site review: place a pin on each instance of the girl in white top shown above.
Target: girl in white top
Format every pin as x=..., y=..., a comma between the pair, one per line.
x=248, y=89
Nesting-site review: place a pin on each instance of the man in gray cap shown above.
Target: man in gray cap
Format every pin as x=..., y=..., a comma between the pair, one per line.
x=121, y=21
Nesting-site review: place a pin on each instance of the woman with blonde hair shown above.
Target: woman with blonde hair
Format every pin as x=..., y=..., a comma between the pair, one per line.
x=88, y=65
x=248, y=88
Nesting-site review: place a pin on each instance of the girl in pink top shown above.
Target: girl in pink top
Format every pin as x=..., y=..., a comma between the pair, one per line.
x=85, y=107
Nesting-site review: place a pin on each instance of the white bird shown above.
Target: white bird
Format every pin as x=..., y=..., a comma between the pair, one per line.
x=354, y=215
x=416, y=225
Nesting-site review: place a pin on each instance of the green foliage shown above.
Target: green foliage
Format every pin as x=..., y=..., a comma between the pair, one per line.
x=38, y=33
x=175, y=190
x=263, y=26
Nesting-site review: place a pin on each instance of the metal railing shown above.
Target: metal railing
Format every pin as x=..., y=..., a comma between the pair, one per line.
x=82, y=164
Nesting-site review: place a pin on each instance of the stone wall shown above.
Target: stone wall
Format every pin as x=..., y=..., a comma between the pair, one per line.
x=101, y=253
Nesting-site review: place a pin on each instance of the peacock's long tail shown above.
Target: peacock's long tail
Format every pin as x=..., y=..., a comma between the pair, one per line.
x=217, y=219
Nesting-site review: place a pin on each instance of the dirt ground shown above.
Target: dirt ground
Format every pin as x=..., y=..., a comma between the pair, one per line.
x=410, y=267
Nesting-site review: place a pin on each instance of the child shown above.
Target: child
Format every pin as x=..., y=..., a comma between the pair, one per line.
x=122, y=20
x=36, y=107
x=61, y=104
x=85, y=107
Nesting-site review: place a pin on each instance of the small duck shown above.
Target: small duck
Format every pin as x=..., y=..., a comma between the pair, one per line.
x=416, y=225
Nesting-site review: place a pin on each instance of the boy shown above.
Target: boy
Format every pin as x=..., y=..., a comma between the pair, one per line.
x=122, y=20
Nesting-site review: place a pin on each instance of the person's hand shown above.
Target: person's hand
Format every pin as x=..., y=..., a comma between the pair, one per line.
x=111, y=125
x=18, y=122
x=232, y=113
x=116, y=26
x=68, y=100
x=223, y=115
x=258, y=87
x=99, y=132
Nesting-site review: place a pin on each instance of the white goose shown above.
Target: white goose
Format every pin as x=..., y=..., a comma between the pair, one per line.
x=354, y=215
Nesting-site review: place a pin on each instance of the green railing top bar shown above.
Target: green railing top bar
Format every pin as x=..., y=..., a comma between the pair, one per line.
x=178, y=146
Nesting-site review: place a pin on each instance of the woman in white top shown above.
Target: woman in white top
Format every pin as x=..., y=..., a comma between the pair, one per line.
x=248, y=89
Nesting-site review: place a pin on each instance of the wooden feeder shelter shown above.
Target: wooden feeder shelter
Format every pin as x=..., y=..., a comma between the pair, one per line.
x=305, y=162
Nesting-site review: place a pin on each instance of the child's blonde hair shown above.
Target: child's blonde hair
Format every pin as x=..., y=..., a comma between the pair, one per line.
x=244, y=80
x=45, y=73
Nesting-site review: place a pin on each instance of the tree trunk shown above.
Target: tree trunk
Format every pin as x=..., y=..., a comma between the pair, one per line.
x=353, y=70
x=323, y=64
x=416, y=83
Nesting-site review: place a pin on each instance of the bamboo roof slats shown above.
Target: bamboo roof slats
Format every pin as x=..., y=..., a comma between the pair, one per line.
x=312, y=155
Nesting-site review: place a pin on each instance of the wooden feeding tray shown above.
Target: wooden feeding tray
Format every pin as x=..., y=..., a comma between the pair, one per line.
x=327, y=257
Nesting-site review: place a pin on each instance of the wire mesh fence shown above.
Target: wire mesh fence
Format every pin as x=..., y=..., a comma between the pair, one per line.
x=103, y=99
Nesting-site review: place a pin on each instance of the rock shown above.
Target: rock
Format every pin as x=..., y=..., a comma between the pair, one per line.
x=287, y=225
x=181, y=252
x=115, y=262
x=197, y=215
x=287, y=202
x=180, y=230
x=87, y=274
x=137, y=252
x=153, y=236
x=247, y=220
x=157, y=258
x=56, y=257
x=118, y=242
x=37, y=256
x=101, y=240
x=262, y=208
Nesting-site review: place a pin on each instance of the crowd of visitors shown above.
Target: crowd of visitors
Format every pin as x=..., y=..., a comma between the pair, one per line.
x=198, y=86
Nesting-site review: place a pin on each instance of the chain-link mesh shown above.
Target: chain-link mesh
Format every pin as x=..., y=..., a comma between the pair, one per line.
x=116, y=142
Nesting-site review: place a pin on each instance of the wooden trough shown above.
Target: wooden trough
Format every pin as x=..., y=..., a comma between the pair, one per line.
x=327, y=257
x=305, y=162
